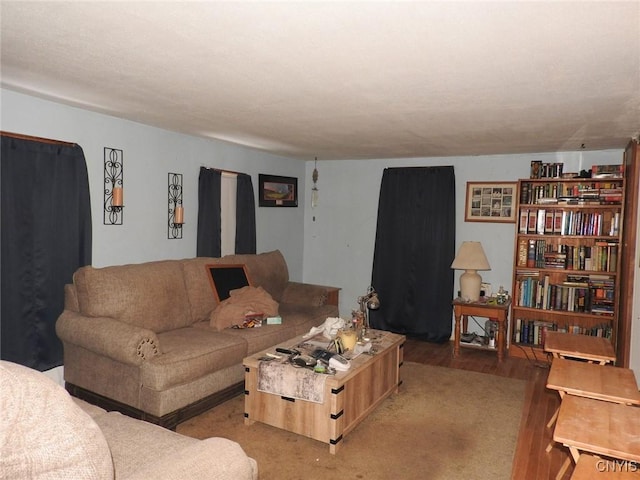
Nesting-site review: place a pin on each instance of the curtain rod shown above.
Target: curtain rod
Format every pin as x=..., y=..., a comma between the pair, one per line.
x=223, y=171
x=35, y=139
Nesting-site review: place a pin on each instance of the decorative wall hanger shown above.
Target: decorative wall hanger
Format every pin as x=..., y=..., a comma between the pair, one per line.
x=176, y=210
x=113, y=186
x=314, y=189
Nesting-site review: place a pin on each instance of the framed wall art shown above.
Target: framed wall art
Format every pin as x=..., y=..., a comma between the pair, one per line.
x=276, y=191
x=491, y=202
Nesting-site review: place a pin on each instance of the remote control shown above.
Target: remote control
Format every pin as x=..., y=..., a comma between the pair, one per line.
x=287, y=351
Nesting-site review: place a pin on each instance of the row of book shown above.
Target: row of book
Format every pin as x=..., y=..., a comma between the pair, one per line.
x=597, y=193
x=600, y=257
x=544, y=221
x=533, y=332
x=546, y=170
x=592, y=294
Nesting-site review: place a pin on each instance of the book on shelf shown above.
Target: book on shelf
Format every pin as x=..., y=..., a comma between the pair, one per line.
x=533, y=221
x=523, y=247
x=614, y=230
x=548, y=221
x=531, y=254
x=524, y=221
x=554, y=259
x=607, y=171
x=557, y=221
x=611, y=196
x=541, y=218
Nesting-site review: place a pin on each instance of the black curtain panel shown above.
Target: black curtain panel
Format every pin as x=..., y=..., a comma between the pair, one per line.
x=46, y=237
x=209, y=213
x=414, y=248
x=245, y=216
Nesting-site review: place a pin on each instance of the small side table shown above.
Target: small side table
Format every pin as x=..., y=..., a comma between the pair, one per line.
x=584, y=347
x=493, y=311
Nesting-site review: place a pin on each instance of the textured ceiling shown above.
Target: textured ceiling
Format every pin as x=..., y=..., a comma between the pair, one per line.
x=342, y=80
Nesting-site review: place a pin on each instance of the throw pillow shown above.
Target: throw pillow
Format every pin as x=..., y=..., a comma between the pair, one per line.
x=242, y=301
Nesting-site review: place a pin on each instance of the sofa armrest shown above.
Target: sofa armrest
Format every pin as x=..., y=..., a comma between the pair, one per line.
x=309, y=294
x=109, y=337
x=209, y=459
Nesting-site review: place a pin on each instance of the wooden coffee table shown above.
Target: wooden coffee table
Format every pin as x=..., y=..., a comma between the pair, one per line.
x=348, y=396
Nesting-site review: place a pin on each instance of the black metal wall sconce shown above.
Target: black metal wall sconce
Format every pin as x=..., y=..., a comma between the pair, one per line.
x=176, y=210
x=113, y=184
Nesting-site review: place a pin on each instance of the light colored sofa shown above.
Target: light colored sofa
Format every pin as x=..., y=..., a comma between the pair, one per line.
x=140, y=339
x=45, y=434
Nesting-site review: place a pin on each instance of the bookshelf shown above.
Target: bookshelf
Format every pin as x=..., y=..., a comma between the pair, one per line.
x=567, y=259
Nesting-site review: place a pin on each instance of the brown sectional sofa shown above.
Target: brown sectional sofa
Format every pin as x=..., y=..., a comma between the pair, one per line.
x=139, y=338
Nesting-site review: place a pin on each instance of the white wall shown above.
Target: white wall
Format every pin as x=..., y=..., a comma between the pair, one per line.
x=149, y=154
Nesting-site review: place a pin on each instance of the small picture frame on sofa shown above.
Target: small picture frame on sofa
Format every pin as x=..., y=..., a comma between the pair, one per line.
x=225, y=278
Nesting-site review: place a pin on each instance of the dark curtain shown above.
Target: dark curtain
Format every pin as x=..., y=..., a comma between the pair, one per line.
x=210, y=212
x=245, y=216
x=209, y=219
x=46, y=237
x=414, y=248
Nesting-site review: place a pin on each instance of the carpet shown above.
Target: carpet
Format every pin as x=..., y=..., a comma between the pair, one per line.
x=444, y=424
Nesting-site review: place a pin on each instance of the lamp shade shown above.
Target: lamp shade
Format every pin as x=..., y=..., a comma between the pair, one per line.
x=470, y=257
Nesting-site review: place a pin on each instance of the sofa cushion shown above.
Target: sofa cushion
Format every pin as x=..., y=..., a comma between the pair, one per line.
x=202, y=301
x=43, y=433
x=263, y=337
x=267, y=270
x=191, y=353
x=150, y=295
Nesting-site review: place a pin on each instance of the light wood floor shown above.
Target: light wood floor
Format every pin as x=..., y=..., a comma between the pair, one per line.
x=531, y=461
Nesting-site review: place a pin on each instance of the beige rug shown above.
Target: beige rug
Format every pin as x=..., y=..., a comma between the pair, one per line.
x=444, y=424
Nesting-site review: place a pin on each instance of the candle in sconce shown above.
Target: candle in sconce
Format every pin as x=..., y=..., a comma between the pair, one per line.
x=116, y=201
x=179, y=216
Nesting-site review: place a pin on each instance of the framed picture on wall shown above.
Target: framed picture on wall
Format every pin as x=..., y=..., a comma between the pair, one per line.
x=491, y=202
x=276, y=191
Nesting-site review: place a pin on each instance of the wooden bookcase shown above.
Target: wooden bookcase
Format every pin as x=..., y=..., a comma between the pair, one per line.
x=567, y=259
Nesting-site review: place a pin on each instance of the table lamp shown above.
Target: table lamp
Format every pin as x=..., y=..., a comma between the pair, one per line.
x=367, y=302
x=470, y=258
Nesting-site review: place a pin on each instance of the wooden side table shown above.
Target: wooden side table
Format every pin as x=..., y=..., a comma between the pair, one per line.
x=609, y=384
x=584, y=347
x=499, y=313
x=601, y=428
